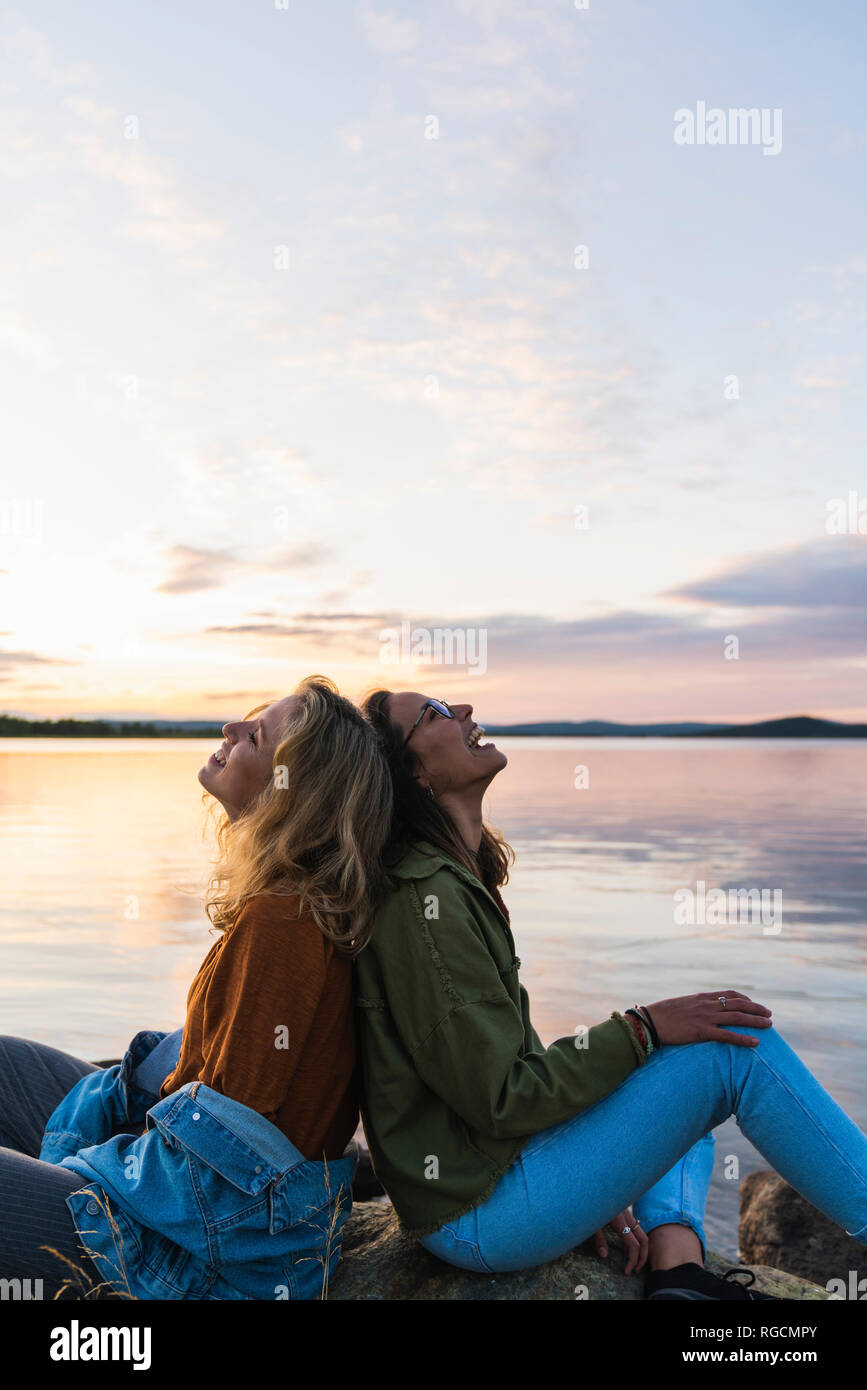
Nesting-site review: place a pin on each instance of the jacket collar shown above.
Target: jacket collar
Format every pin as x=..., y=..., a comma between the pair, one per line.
x=420, y=860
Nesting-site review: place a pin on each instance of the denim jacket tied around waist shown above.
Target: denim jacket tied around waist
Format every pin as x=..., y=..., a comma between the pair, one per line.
x=212, y=1201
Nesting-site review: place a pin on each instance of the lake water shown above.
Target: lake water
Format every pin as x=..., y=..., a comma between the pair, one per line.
x=105, y=854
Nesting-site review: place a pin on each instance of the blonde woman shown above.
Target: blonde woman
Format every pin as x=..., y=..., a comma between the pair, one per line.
x=211, y=1163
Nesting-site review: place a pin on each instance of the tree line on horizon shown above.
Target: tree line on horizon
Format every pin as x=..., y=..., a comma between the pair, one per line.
x=791, y=726
x=12, y=726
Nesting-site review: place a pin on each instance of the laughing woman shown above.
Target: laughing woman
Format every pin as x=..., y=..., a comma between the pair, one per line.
x=214, y=1157
x=500, y=1154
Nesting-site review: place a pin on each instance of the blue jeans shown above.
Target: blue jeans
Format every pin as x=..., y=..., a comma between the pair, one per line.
x=34, y=1218
x=35, y=1221
x=648, y=1145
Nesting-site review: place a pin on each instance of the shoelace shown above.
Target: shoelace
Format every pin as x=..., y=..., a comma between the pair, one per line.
x=728, y=1275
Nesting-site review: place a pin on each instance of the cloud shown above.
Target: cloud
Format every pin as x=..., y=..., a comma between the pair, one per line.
x=632, y=638
x=28, y=342
x=349, y=633
x=227, y=696
x=516, y=400
x=389, y=33
x=295, y=557
x=827, y=573
x=28, y=50
x=615, y=642
x=9, y=661
x=92, y=110
x=342, y=617
x=271, y=630
x=853, y=268
x=162, y=211
x=195, y=569
x=831, y=374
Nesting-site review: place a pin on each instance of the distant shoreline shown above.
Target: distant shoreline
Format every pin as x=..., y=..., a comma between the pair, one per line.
x=796, y=726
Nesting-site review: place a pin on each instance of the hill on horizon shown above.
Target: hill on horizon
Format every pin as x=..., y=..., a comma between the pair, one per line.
x=788, y=726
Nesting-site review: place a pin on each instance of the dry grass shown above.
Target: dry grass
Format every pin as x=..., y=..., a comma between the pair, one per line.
x=334, y=1210
x=80, y=1279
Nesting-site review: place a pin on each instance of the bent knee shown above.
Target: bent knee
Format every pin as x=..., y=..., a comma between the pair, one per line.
x=767, y=1037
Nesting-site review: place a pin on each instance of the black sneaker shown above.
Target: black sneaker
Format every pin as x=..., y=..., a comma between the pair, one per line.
x=690, y=1281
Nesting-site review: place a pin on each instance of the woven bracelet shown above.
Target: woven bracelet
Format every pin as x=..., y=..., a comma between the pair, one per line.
x=651, y=1026
x=637, y=1048
x=647, y=1044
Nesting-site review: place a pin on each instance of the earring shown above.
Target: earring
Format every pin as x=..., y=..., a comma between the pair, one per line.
x=431, y=793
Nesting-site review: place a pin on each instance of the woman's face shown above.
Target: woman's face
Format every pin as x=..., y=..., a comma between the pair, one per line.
x=244, y=764
x=443, y=748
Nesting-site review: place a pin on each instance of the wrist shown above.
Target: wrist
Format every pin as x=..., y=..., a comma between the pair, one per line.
x=650, y=1027
x=635, y=1026
x=634, y=1031
x=638, y=1027
x=645, y=1029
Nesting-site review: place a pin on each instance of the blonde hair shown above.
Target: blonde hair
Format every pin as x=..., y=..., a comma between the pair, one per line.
x=317, y=830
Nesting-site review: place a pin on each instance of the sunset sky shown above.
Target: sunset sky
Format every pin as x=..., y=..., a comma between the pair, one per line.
x=294, y=349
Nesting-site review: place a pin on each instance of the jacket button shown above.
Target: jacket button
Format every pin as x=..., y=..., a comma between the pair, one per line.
x=258, y=1168
x=196, y=1115
x=92, y=1207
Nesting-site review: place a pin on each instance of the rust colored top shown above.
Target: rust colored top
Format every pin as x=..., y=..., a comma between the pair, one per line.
x=270, y=1024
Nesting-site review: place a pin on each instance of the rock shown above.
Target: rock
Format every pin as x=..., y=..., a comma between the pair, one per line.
x=380, y=1264
x=365, y=1184
x=779, y=1227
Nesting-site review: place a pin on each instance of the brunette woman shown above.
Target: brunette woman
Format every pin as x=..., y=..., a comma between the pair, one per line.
x=501, y=1154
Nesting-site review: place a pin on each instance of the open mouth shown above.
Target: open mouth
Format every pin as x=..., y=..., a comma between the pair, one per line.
x=219, y=757
x=475, y=737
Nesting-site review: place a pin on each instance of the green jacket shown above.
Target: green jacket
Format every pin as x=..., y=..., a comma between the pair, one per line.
x=454, y=1078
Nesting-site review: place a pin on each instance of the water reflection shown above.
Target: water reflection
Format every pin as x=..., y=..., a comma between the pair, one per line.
x=104, y=862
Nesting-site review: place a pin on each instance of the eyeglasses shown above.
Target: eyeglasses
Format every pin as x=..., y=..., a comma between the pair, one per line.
x=438, y=706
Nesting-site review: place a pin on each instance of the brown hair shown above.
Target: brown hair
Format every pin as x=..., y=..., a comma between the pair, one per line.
x=417, y=816
x=318, y=828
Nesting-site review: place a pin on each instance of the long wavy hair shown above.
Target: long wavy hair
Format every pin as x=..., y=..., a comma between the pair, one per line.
x=318, y=828
x=418, y=817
